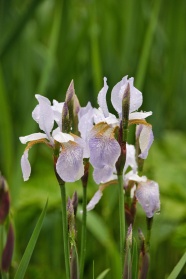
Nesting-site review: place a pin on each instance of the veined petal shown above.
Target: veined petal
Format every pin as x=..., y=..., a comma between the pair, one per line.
x=69, y=165
x=95, y=199
x=139, y=115
x=104, y=148
x=145, y=140
x=25, y=166
x=43, y=114
x=60, y=136
x=57, y=109
x=103, y=175
x=32, y=137
x=130, y=158
x=147, y=194
x=102, y=98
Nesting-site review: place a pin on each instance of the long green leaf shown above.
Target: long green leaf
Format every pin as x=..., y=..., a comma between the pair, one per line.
x=30, y=247
x=178, y=267
x=103, y=274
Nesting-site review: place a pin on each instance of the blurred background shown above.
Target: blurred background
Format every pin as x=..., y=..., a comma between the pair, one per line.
x=44, y=44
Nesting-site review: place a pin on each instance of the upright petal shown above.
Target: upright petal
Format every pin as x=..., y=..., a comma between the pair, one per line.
x=102, y=98
x=25, y=165
x=147, y=194
x=57, y=109
x=117, y=95
x=43, y=114
x=145, y=140
x=70, y=162
x=130, y=158
x=104, y=148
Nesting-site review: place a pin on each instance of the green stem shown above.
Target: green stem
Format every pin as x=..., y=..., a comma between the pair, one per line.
x=83, y=233
x=65, y=230
x=122, y=221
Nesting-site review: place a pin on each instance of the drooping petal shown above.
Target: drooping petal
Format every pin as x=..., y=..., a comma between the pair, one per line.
x=145, y=140
x=104, y=148
x=95, y=199
x=32, y=137
x=130, y=158
x=139, y=115
x=61, y=137
x=43, y=115
x=147, y=194
x=57, y=109
x=117, y=95
x=104, y=174
x=69, y=165
x=102, y=98
x=25, y=166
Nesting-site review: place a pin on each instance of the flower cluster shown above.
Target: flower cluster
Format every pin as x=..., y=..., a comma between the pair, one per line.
x=75, y=133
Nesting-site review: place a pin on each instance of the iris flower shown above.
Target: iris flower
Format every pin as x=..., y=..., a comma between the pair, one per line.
x=69, y=164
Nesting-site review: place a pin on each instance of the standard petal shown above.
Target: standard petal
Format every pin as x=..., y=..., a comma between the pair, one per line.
x=85, y=117
x=117, y=94
x=32, y=137
x=57, y=109
x=102, y=98
x=95, y=199
x=147, y=194
x=145, y=140
x=130, y=158
x=70, y=162
x=104, y=148
x=25, y=166
x=139, y=115
x=61, y=137
x=44, y=115
x=103, y=175
x=136, y=97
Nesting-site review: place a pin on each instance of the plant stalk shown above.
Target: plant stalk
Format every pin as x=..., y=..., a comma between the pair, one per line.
x=83, y=233
x=65, y=230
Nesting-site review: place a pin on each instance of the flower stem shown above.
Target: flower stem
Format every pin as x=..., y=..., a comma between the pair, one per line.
x=122, y=220
x=65, y=230
x=83, y=233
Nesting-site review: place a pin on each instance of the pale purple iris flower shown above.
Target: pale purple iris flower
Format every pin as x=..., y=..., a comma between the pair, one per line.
x=69, y=165
x=147, y=194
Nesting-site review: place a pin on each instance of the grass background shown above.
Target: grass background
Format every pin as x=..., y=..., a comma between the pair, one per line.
x=46, y=43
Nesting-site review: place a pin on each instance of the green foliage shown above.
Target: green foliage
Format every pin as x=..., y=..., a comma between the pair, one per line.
x=20, y=273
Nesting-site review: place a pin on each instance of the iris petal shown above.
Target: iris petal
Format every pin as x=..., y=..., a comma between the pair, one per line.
x=145, y=140
x=102, y=98
x=43, y=114
x=32, y=137
x=70, y=162
x=104, y=148
x=25, y=165
x=147, y=194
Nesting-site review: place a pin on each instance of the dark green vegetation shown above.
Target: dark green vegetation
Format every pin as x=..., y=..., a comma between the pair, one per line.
x=45, y=44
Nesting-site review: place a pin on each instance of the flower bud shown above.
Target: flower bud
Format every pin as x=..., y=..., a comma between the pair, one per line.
x=4, y=200
x=8, y=250
x=147, y=194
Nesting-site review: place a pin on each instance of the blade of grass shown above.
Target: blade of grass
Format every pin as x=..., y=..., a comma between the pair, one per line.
x=142, y=66
x=177, y=269
x=103, y=274
x=30, y=247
